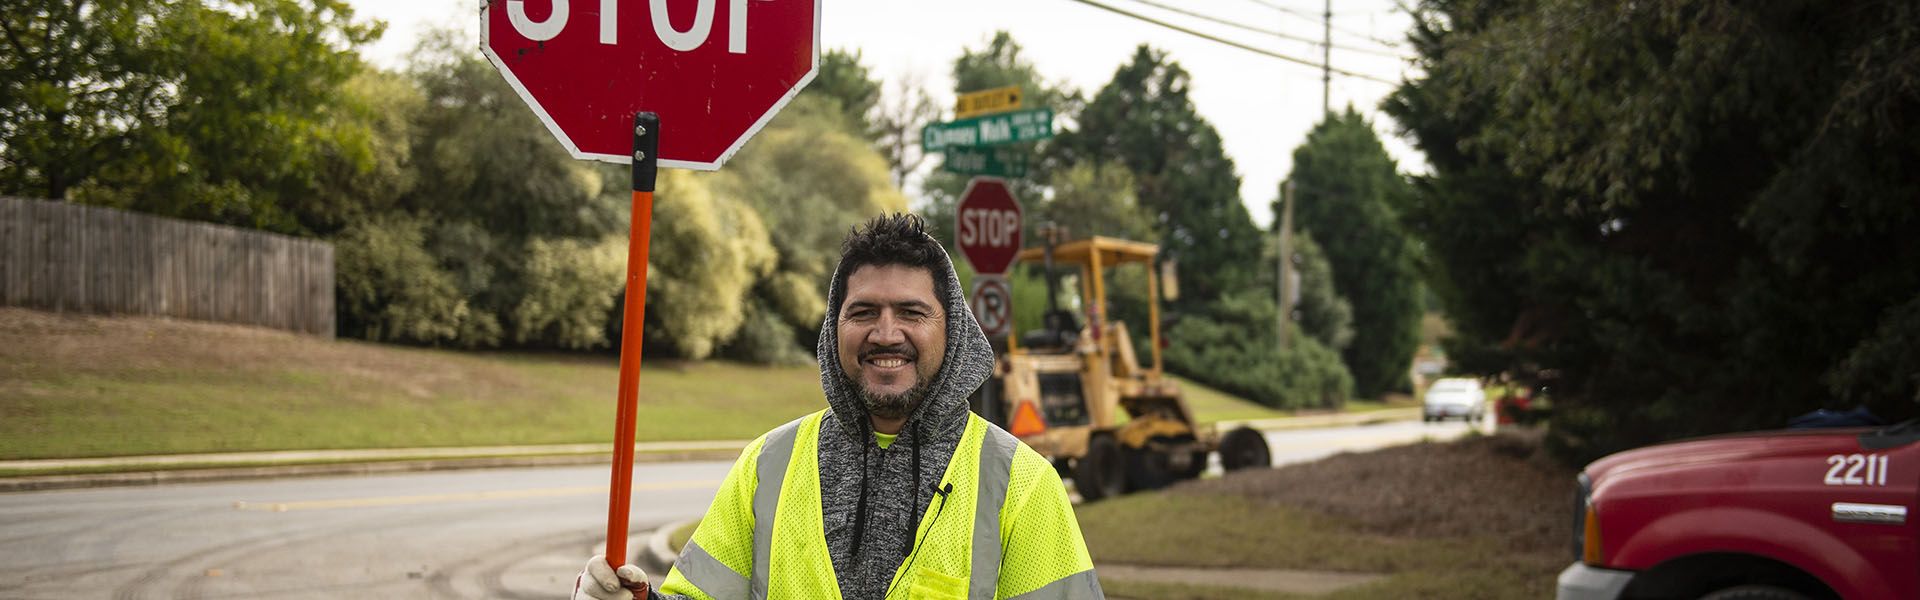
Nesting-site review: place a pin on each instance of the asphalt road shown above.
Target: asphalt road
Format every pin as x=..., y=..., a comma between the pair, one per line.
x=504, y=533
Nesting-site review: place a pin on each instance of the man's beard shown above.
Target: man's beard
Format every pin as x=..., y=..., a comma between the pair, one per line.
x=892, y=406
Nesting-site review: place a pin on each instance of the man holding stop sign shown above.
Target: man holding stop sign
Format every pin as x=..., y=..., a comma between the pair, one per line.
x=894, y=489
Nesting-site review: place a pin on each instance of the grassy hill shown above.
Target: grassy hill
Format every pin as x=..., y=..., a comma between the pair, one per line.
x=81, y=386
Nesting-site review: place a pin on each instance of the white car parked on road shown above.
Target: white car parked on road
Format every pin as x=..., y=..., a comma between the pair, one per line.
x=1455, y=397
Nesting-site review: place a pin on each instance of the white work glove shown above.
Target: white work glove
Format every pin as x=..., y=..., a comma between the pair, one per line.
x=599, y=582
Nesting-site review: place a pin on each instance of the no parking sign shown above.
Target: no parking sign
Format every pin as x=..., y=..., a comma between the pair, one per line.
x=992, y=305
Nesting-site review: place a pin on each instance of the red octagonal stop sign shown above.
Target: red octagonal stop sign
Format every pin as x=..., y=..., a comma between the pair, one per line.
x=714, y=70
x=988, y=230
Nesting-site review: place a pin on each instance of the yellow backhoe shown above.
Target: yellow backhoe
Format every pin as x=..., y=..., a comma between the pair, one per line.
x=1075, y=390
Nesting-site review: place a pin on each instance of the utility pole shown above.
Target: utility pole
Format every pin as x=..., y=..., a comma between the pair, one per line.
x=1286, y=261
x=1326, y=60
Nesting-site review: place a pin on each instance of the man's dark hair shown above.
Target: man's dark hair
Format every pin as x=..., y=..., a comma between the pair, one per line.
x=896, y=239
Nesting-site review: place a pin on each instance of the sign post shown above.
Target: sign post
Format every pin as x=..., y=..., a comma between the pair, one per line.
x=605, y=80
x=646, y=143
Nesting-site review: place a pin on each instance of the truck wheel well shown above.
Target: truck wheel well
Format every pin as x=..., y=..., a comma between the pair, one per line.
x=1700, y=574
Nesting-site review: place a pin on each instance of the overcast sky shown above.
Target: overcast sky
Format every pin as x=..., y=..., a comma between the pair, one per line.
x=1262, y=106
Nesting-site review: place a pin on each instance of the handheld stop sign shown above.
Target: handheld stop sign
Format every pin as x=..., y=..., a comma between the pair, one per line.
x=651, y=83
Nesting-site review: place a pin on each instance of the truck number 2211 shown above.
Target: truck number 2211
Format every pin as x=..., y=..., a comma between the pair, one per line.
x=1846, y=469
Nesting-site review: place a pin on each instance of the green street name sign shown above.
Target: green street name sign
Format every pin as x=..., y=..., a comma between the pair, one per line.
x=990, y=130
x=998, y=162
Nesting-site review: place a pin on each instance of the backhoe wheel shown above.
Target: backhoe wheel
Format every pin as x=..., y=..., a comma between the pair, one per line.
x=1196, y=465
x=1755, y=592
x=1244, y=448
x=1147, y=469
x=1101, y=472
x=1151, y=469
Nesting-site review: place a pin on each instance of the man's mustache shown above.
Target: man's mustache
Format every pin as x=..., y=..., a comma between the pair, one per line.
x=901, y=350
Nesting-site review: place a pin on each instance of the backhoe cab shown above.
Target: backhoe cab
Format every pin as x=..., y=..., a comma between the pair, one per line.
x=1075, y=391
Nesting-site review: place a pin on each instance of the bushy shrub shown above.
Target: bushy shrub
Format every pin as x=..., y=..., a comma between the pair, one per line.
x=765, y=338
x=1231, y=349
x=707, y=252
x=569, y=287
x=389, y=288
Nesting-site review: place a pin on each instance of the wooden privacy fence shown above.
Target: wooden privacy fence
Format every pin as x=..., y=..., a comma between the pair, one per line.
x=75, y=258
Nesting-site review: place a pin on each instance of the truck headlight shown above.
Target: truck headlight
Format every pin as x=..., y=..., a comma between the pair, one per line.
x=1586, y=525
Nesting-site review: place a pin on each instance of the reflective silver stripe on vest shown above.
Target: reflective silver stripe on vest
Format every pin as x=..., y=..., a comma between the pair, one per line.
x=996, y=470
x=771, y=468
x=1078, y=586
x=709, y=574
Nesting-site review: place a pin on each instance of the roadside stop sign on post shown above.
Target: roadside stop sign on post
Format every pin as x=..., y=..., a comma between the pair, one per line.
x=714, y=70
x=988, y=230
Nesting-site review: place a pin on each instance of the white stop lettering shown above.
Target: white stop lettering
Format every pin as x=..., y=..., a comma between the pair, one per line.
x=987, y=227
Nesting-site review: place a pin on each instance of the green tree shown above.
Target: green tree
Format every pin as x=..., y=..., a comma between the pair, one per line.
x=483, y=157
x=1346, y=190
x=892, y=128
x=850, y=85
x=569, y=290
x=390, y=289
x=1144, y=120
x=1694, y=212
x=897, y=123
x=1092, y=199
x=206, y=110
x=366, y=168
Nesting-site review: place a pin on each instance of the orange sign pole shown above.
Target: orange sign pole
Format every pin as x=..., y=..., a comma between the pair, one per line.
x=646, y=140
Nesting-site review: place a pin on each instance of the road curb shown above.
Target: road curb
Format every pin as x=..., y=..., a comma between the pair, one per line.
x=34, y=483
x=658, y=556
x=1327, y=420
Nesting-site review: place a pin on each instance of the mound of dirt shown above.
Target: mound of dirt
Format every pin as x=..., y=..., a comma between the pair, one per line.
x=1502, y=487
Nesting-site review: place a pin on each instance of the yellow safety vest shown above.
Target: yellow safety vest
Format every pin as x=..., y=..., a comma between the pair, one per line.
x=1005, y=530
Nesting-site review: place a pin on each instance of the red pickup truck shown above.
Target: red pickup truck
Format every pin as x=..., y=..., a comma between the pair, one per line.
x=1779, y=515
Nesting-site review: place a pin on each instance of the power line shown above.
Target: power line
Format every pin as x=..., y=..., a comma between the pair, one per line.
x=1235, y=44
x=1278, y=34
x=1289, y=10
x=1317, y=19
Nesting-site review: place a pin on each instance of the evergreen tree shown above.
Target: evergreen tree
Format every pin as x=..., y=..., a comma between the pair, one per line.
x=1144, y=120
x=1345, y=189
x=1697, y=214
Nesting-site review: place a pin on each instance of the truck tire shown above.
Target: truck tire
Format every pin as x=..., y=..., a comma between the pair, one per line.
x=1244, y=448
x=1101, y=472
x=1755, y=592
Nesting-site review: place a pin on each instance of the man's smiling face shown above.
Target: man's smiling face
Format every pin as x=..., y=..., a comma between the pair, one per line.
x=892, y=336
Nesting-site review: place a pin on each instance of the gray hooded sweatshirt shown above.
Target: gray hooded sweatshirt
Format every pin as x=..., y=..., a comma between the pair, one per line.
x=897, y=482
x=894, y=485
